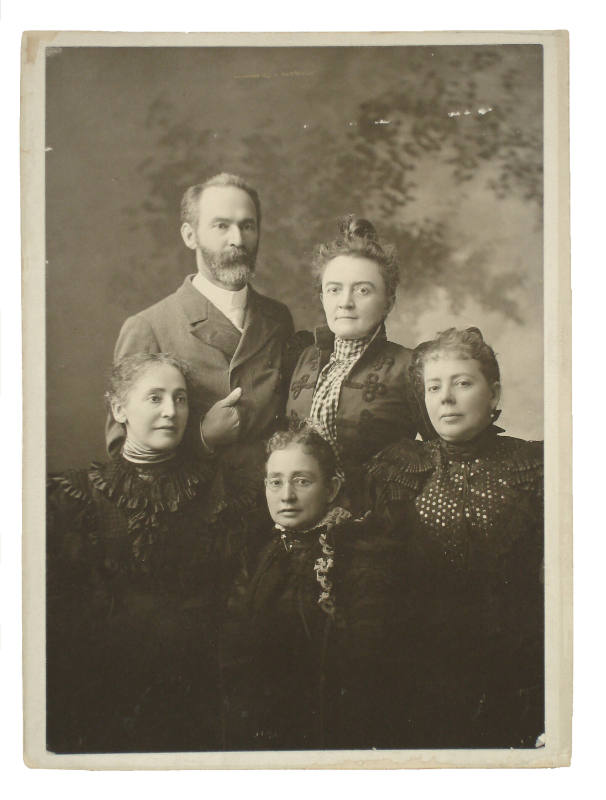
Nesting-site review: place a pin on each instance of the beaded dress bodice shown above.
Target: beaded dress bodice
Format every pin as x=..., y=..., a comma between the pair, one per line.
x=464, y=497
x=473, y=491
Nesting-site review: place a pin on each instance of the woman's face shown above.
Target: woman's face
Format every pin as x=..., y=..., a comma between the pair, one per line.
x=459, y=399
x=298, y=494
x=155, y=408
x=354, y=296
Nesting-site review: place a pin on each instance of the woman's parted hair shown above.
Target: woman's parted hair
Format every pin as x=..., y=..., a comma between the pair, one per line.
x=467, y=344
x=304, y=433
x=358, y=237
x=126, y=372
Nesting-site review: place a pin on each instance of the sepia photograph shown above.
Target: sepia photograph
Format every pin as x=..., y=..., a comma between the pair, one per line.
x=292, y=307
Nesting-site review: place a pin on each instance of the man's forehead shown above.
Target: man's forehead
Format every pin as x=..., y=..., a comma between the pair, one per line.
x=226, y=201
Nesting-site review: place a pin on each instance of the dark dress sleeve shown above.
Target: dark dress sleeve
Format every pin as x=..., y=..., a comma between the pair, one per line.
x=73, y=591
x=294, y=347
x=70, y=536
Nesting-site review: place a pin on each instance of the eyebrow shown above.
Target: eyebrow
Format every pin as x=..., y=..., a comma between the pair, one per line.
x=458, y=375
x=297, y=474
x=357, y=283
x=230, y=219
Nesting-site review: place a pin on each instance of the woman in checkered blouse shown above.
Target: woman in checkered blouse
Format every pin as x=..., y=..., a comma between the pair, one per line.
x=352, y=382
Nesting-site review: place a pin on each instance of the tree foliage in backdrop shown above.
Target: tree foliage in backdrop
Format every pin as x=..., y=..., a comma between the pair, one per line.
x=454, y=121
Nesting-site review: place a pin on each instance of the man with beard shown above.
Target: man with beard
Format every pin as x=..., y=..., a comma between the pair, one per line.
x=234, y=339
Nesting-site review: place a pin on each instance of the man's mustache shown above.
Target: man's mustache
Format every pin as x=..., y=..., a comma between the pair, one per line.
x=236, y=255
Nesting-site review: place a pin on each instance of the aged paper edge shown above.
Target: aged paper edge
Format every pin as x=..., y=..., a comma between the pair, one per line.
x=558, y=413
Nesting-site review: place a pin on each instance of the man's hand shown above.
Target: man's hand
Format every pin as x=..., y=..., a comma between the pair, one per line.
x=220, y=424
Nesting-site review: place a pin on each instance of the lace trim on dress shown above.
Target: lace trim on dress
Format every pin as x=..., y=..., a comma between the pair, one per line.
x=324, y=563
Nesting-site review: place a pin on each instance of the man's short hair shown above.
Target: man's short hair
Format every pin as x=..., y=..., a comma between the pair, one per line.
x=190, y=203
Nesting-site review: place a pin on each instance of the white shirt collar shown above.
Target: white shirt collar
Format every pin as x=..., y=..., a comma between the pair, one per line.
x=232, y=304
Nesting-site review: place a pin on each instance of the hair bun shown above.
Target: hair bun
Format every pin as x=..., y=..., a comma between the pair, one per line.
x=475, y=332
x=352, y=227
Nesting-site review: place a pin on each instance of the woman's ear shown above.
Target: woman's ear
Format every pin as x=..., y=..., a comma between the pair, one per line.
x=496, y=395
x=118, y=411
x=335, y=484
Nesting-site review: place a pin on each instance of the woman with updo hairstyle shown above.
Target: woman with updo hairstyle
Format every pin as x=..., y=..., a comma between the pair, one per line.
x=140, y=554
x=352, y=382
x=468, y=507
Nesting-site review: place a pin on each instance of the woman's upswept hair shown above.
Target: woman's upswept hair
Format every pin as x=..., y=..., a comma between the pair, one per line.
x=358, y=237
x=126, y=372
x=304, y=433
x=466, y=344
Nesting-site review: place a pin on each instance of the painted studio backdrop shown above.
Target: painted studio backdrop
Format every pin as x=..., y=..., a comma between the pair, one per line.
x=440, y=147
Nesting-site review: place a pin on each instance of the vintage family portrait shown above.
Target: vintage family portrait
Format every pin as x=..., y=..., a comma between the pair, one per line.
x=292, y=308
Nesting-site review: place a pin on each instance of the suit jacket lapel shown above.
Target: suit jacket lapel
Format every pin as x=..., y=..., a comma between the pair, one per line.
x=259, y=327
x=206, y=322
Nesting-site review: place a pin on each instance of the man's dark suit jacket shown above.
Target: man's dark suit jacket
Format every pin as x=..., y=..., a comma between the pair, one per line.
x=189, y=326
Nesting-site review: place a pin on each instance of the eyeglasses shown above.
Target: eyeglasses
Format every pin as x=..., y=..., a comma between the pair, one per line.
x=276, y=484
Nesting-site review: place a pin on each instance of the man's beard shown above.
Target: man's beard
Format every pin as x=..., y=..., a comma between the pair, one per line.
x=233, y=268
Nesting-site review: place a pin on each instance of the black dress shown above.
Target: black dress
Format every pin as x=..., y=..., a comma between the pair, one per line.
x=140, y=562
x=318, y=606
x=471, y=627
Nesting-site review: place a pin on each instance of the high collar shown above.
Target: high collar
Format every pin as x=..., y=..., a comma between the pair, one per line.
x=351, y=349
x=196, y=306
x=325, y=338
x=139, y=454
x=473, y=448
x=224, y=299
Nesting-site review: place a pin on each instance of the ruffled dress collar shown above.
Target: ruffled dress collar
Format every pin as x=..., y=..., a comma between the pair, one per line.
x=145, y=491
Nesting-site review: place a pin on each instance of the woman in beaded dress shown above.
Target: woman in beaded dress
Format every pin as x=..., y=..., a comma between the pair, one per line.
x=352, y=382
x=317, y=610
x=141, y=553
x=469, y=508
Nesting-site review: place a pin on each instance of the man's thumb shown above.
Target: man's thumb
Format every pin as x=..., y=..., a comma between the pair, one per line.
x=232, y=398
